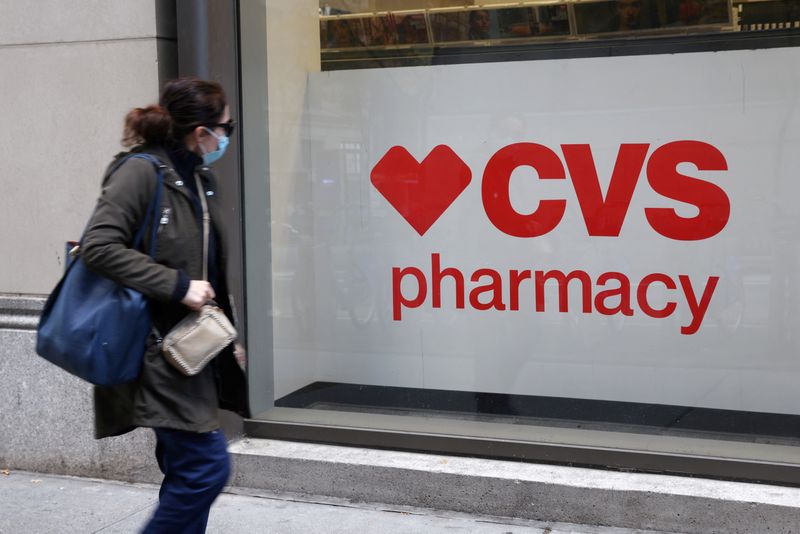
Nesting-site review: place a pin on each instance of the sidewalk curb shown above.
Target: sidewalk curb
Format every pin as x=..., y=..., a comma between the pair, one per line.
x=521, y=490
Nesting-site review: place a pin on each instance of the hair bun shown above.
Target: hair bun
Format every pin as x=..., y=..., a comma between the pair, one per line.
x=148, y=125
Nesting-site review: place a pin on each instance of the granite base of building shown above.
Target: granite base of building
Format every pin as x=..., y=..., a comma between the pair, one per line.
x=47, y=423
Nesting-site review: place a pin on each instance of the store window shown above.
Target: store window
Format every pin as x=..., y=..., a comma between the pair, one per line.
x=593, y=251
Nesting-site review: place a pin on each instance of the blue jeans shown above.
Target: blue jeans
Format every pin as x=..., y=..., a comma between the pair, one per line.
x=196, y=467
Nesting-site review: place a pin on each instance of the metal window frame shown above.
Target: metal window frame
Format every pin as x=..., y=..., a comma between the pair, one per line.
x=237, y=57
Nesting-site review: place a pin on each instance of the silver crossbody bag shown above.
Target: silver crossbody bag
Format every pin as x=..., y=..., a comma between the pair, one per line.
x=202, y=334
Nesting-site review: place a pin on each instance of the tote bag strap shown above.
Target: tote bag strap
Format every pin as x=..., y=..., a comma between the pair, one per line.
x=151, y=213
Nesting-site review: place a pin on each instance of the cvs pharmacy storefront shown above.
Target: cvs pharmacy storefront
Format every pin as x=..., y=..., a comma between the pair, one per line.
x=562, y=232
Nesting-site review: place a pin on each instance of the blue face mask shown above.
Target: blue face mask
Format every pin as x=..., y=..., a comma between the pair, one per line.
x=222, y=144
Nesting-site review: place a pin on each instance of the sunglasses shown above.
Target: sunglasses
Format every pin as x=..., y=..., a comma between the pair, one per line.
x=227, y=126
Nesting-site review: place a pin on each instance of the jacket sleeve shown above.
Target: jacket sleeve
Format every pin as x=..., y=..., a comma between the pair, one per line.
x=120, y=211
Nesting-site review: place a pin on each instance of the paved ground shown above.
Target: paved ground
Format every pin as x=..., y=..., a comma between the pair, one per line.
x=31, y=503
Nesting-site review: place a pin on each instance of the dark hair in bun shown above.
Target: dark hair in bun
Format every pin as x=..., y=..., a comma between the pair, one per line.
x=186, y=103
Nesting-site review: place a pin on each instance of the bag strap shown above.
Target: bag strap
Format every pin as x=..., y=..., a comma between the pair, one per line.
x=151, y=213
x=206, y=221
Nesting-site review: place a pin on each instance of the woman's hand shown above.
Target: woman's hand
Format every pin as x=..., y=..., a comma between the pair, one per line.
x=240, y=354
x=198, y=294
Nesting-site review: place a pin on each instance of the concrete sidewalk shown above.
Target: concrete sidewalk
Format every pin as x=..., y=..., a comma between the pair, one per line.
x=36, y=504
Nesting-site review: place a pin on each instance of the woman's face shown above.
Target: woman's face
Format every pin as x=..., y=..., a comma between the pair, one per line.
x=207, y=142
x=480, y=21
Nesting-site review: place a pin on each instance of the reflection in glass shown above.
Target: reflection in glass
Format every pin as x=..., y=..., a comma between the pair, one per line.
x=376, y=32
x=351, y=39
x=637, y=15
x=497, y=24
x=341, y=33
x=769, y=15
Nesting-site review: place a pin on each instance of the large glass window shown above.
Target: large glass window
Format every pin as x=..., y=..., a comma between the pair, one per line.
x=594, y=251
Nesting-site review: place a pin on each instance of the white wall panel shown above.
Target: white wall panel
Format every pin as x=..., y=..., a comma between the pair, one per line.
x=744, y=103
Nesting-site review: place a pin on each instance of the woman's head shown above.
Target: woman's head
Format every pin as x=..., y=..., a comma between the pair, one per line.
x=479, y=22
x=189, y=112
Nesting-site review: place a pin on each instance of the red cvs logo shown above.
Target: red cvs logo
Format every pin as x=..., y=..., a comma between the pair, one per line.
x=421, y=191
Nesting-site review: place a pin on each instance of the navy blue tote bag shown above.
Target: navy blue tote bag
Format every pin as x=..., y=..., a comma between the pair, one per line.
x=93, y=327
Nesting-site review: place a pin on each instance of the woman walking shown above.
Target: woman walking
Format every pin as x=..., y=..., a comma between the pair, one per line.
x=186, y=132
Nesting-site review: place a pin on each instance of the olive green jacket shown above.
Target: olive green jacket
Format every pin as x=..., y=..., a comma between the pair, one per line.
x=162, y=396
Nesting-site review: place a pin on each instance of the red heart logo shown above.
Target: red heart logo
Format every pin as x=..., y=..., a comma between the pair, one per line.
x=421, y=192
